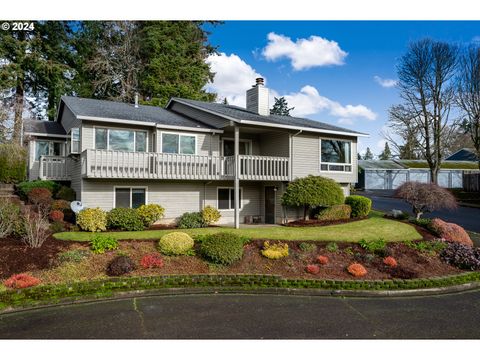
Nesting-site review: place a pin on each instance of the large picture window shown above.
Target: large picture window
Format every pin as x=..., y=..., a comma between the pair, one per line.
x=336, y=155
x=48, y=148
x=178, y=144
x=126, y=197
x=226, y=198
x=122, y=140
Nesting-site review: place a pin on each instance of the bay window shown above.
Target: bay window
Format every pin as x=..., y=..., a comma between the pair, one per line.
x=130, y=197
x=336, y=155
x=122, y=140
x=226, y=198
x=178, y=144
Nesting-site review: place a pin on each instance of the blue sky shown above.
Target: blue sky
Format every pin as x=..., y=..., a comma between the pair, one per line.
x=332, y=71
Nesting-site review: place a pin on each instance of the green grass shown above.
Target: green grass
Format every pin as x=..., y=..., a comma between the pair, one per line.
x=370, y=229
x=419, y=164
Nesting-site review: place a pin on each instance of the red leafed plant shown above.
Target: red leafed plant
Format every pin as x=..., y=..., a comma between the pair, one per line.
x=390, y=261
x=451, y=232
x=151, y=261
x=56, y=215
x=20, y=281
x=322, y=259
x=40, y=197
x=357, y=270
x=312, y=269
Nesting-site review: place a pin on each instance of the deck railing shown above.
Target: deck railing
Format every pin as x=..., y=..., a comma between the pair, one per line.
x=150, y=165
x=54, y=168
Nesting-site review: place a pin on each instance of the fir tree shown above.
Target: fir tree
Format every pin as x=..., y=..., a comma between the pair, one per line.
x=368, y=154
x=386, y=153
x=281, y=107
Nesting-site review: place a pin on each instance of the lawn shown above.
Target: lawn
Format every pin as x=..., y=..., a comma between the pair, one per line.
x=372, y=228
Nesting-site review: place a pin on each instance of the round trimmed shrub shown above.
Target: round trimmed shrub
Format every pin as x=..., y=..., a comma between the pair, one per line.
x=151, y=261
x=125, y=219
x=222, y=248
x=450, y=232
x=357, y=270
x=100, y=243
x=25, y=187
x=191, y=220
x=150, y=213
x=21, y=281
x=56, y=215
x=390, y=261
x=176, y=243
x=92, y=219
x=40, y=197
x=322, y=259
x=120, y=265
x=66, y=193
x=335, y=212
x=360, y=205
x=274, y=251
x=312, y=269
x=60, y=205
x=210, y=215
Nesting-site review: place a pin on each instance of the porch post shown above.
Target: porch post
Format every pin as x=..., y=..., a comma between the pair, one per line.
x=237, y=178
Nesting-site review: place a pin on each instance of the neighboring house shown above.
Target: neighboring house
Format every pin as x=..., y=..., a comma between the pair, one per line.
x=464, y=154
x=188, y=155
x=390, y=174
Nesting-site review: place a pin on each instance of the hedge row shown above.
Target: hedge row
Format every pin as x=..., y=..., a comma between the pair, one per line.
x=105, y=288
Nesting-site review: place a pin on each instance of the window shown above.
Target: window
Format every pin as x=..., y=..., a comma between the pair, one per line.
x=75, y=140
x=130, y=197
x=178, y=144
x=226, y=198
x=48, y=148
x=229, y=147
x=336, y=155
x=122, y=140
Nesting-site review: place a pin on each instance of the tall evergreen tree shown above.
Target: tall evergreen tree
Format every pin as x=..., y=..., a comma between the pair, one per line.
x=280, y=107
x=386, y=153
x=368, y=154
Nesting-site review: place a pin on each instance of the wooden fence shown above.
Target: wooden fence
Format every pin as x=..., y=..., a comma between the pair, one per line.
x=471, y=182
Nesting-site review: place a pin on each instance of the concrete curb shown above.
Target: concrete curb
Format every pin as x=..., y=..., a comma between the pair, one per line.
x=255, y=291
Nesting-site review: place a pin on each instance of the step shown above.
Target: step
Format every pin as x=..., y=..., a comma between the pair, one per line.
x=7, y=187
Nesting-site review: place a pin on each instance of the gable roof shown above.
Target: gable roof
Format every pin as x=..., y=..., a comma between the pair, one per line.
x=92, y=109
x=45, y=128
x=464, y=154
x=242, y=115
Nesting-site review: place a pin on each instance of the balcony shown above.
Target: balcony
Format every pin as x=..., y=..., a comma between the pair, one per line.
x=110, y=164
x=54, y=168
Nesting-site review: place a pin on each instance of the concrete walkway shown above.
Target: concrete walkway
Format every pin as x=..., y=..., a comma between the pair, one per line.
x=237, y=316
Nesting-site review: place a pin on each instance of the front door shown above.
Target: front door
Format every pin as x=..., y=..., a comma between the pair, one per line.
x=269, y=204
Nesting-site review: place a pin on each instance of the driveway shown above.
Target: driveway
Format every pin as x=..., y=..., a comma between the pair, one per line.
x=468, y=218
x=243, y=316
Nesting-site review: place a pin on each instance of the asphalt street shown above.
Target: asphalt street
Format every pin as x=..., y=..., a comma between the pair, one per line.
x=248, y=316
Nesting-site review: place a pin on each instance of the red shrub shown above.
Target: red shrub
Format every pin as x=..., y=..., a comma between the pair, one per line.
x=322, y=259
x=40, y=197
x=151, y=261
x=56, y=215
x=20, y=281
x=60, y=205
x=312, y=269
x=357, y=270
x=390, y=261
x=450, y=232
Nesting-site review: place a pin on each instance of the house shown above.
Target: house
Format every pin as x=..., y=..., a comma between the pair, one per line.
x=464, y=154
x=188, y=155
x=390, y=174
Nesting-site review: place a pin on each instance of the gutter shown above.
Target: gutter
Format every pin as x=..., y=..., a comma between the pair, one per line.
x=48, y=135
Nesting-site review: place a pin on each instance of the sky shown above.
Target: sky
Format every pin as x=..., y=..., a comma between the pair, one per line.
x=338, y=72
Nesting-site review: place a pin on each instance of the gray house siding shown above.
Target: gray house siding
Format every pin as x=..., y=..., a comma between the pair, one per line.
x=275, y=144
x=69, y=120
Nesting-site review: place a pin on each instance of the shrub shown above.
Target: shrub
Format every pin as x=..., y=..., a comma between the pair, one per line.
x=222, y=248
x=124, y=219
x=390, y=261
x=56, y=215
x=307, y=246
x=357, y=270
x=13, y=163
x=9, y=218
x=57, y=226
x=322, y=259
x=66, y=193
x=422, y=222
x=151, y=261
x=150, y=213
x=373, y=246
x=335, y=212
x=92, y=219
x=332, y=247
x=176, y=243
x=76, y=255
x=312, y=191
x=21, y=281
x=461, y=256
x=191, y=220
x=312, y=269
x=210, y=215
x=35, y=228
x=120, y=265
x=360, y=205
x=101, y=243
x=450, y=232
x=274, y=251
x=60, y=205
x=41, y=197
x=25, y=187
x=428, y=246
x=425, y=197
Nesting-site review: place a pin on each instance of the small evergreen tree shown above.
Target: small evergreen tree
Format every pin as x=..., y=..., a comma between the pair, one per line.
x=386, y=153
x=281, y=107
x=359, y=157
x=368, y=154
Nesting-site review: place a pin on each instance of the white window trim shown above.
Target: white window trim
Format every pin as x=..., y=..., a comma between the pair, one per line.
x=160, y=141
x=79, y=140
x=249, y=141
x=230, y=200
x=50, y=148
x=329, y=163
x=129, y=187
x=95, y=127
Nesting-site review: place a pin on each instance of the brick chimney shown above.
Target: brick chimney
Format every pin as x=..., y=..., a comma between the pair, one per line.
x=257, y=98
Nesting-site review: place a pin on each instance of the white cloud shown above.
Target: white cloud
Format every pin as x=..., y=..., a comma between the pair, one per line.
x=386, y=83
x=304, y=53
x=233, y=77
